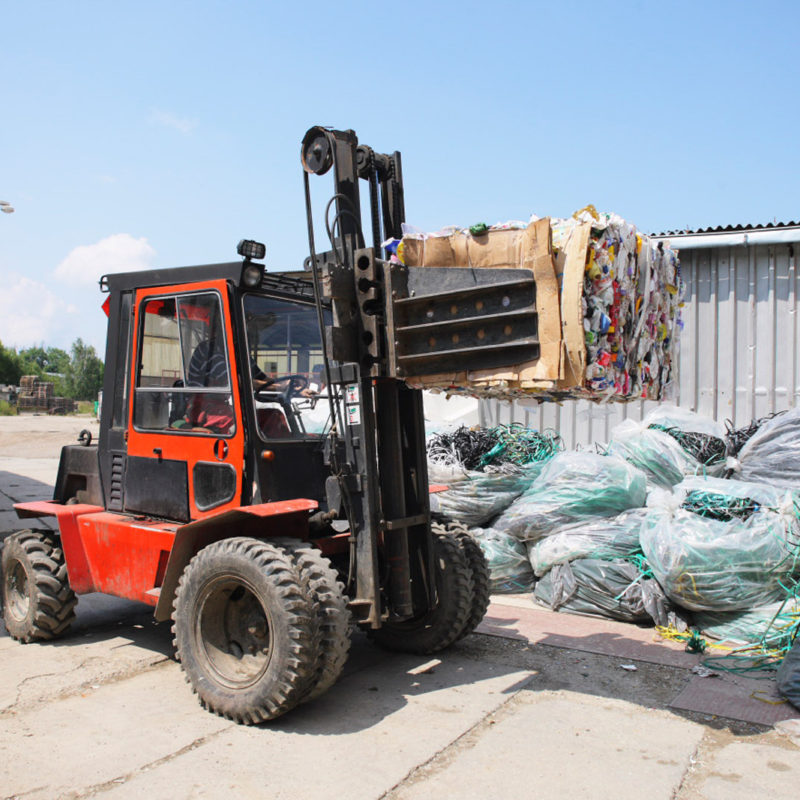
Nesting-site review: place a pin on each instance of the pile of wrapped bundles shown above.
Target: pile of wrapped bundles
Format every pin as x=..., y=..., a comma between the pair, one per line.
x=608, y=300
x=651, y=532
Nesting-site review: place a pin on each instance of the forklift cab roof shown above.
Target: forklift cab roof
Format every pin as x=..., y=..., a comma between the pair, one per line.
x=290, y=285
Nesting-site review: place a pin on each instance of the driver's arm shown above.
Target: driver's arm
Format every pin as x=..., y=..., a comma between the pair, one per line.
x=260, y=379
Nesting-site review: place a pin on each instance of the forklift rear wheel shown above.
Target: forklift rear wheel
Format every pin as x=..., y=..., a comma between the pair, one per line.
x=38, y=603
x=480, y=574
x=243, y=630
x=331, y=616
x=441, y=626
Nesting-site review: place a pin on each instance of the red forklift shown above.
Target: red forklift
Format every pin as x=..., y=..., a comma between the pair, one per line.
x=260, y=475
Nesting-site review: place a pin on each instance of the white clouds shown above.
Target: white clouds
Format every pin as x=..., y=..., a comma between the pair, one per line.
x=167, y=119
x=119, y=252
x=30, y=313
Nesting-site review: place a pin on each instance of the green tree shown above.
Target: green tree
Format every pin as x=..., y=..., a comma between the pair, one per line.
x=10, y=365
x=83, y=377
x=57, y=360
x=40, y=360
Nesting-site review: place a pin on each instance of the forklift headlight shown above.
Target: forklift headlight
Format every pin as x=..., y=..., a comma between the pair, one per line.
x=252, y=275
x=247, y=248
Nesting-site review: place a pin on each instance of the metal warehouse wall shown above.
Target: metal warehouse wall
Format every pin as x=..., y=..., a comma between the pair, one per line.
x=739, y=356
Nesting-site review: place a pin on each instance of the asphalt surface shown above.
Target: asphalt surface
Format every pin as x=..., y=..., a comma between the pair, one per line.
x=105, y=712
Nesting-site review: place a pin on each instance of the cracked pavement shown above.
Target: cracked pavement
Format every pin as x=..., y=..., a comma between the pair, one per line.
x=105, y=712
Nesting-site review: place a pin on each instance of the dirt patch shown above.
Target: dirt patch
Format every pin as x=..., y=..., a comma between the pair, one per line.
x=42, y=435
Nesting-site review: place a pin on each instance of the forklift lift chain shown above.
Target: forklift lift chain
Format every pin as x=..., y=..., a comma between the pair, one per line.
x=38, y=603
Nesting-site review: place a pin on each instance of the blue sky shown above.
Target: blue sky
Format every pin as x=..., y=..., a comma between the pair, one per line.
x=160, y=133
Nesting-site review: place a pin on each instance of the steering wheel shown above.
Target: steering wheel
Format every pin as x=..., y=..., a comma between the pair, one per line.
x=295, y=383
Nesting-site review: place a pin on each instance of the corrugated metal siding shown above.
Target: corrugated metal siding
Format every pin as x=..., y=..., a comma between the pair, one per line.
x=739, y=356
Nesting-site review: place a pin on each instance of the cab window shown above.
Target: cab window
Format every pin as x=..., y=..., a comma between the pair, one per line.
x=183, y=381
x=286, y=367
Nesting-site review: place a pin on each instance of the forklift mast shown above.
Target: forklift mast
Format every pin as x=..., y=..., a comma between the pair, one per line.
x=383, y=477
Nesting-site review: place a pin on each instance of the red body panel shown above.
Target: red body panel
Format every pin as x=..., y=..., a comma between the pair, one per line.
x=127, y=556
x=124, y=554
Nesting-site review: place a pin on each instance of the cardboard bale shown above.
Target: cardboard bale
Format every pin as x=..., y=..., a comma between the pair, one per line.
x=527, y=248
x=607, y=300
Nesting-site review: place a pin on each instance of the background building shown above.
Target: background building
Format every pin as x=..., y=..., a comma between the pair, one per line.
x=739, y=356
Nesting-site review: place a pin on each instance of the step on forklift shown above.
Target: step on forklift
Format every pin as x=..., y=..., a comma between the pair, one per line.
x=260, y=475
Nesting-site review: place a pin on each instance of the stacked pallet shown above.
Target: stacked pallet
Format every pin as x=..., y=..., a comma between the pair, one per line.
x=38, y=395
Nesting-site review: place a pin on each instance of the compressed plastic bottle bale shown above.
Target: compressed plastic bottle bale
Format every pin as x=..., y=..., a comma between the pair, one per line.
x=772, y=454
x=771, y=626
x=571, y=487
x=656, y=453
x=600, y=537
x=509, y=569
x=613, y=589
x=474, y=498
x=708, y=565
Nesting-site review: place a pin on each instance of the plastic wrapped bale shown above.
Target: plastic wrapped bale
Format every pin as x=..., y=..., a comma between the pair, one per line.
x=725, y=500
x=772, y=454
x=613, y=589
x=671, y=443
x=509, y=569
x=486, y=468
x=772, y=626
x=788, y=677
x=656, y=453
x=474, y=498
x=702, y=436
x=708, y=565
x=572, y=487
x=601, y=537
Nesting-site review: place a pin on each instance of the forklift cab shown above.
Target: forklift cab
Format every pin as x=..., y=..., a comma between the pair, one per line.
x=220, y=412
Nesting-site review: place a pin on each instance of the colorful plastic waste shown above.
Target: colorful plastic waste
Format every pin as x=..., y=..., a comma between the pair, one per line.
x=632, y=296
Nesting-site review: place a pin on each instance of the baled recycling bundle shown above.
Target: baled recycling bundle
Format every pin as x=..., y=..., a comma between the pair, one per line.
x=486, y=469
x=608, y=299
x=572, y=487
x=612, y=589
x=669, y=444
x=772, y=454
x=597, y=537
x=720, y=554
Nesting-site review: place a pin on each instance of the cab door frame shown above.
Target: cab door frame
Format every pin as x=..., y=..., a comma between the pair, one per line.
x=162, y=464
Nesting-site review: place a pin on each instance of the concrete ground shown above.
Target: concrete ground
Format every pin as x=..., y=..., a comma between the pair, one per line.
x=539, y=705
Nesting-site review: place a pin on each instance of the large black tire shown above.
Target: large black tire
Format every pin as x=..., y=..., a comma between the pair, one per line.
x=38, y=603
x=243, y=630
x=441, y=626
x=331, y=615
x=479, y=568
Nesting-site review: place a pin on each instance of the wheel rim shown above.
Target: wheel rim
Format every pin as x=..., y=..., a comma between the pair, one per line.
x=17, y=597
x=234, y=632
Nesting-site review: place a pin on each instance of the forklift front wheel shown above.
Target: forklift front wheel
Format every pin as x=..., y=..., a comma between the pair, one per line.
x=243, y=630
x=442, y=625
x=479, y=568
x=38, y=603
